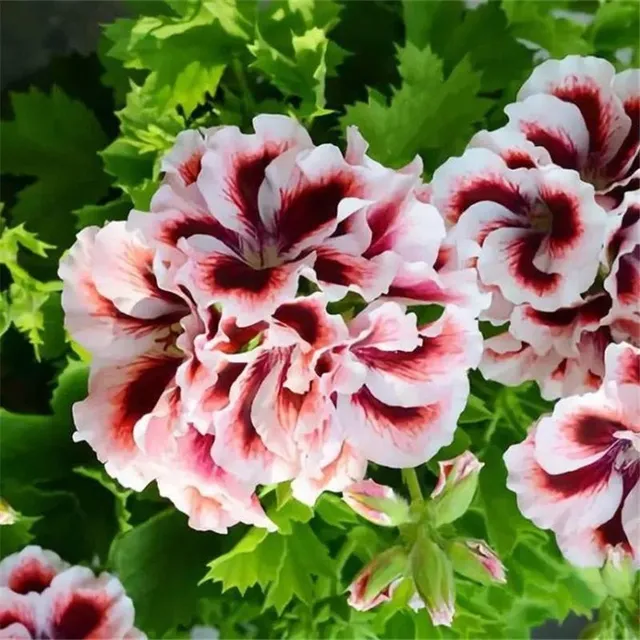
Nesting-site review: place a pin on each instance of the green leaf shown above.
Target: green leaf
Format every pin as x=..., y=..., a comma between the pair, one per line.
x=288, y=510
x=616, y=26
x=429, y=114
x=160, y=564
x=335, y=512
x=98, y=214
x=55, y=140
x=14, y=537
x=475, y=411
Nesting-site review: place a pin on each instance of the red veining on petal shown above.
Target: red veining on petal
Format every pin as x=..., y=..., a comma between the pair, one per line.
x=585, y=94
x=629, y=368
x=198, y=448
x=150, y=377
x=590, y=311
x=594, y=432
x=628, y=278
x=230, y=274
x=630, y=217
x=186, y=226
x=380, y=219
x=14, y=616
x=560, y=147
x=486, y=188
x=30, y=575
x=302, y=318
x=190, y=169
x=520, y=255
x=629, y=147
x=79, y=616
x=566, y=227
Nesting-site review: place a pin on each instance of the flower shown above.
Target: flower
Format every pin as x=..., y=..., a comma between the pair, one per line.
x=577, y=471
x=546, y=209
x=252, y=328
x=43, y=597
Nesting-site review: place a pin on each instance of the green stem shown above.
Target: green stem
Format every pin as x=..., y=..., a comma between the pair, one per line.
x=247, y=96
x=410, y=478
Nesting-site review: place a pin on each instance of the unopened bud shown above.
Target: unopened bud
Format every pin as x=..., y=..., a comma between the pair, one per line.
x=377, y=503
x=433, y=578
x=457, y=484
x=475, y=560
x=374, y=583
x=618, y=573
x=7, y=514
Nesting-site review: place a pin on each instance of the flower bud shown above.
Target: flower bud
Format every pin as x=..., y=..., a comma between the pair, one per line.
x=456, y=487
x=377, y=503
x=618, y=573
x=7, y=514
x=374, y=583
x=433, y=578
x=475, y=560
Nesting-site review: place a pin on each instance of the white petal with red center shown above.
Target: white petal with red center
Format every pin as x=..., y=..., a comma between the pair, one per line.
x=30, y=570
x=419, y=283
x=238, y=447
x=385, y=327
x=182, y=163
x=123, y=272
x=120, y=394
x=447, y=348
x=586, y=83
x=213, y=274
x=347, y=467
x=631, y=521
x=622, y=364
x=81, y=605
x=580, y=431
x=400, y=437
x=476, y=176
x=92, y=319
x=553, y=125
x=565, y=502
x=512, y=146
x=561, y=329
x=18, y=613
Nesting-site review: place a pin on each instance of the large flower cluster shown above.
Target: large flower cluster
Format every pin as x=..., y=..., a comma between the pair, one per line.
x=578, y=470
x=253, y=327
x=41, y=596
x=548, y=209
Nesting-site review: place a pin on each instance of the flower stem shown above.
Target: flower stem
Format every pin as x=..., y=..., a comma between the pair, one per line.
x=410, y=478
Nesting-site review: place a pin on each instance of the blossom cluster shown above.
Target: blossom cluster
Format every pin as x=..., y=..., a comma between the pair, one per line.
x=548, y=209
x=577, y=472
x=255, y=326
x=41, y=596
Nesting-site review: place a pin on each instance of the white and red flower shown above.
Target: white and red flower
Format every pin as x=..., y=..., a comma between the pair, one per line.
x=577, y=472
x=42, y=597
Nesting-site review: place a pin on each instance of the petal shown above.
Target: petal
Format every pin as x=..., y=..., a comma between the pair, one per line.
x=631, y=520
x=92, y=319
x=586, y=83
x=384, y=327
x=30, y=570
x=238, y=446
x=401, y=437
x=478, y=175
x=214, y=274
x=81, y=605
x=560, y=330
x=554, y=125
x=448, y=348
x=183, y=162
x=565, y=502
x=18, y=614
x=120, y=394
x=578, y=433
x=123, y=272
x=234, y=166
x=622, y=364
x=512, y=146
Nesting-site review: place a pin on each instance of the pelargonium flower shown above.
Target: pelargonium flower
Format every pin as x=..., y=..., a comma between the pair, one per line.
x=546, y=208
x=219, y=362
x=577, y=472
x=43, y=597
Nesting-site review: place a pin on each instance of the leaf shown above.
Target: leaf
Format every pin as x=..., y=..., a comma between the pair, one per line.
x=335, y=512
x=615, y=26
x=160, y=564
x=71, y=386
x=475, y=411
x=98, y=214
x=428, y=114
x=55, y=140
x=16, y=536
x=288, y=510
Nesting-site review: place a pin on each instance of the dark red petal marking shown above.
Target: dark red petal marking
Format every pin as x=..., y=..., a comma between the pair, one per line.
x=13, y=616
x=591, y=311
x=301, y=318
x=629, y=147
x=565, y=220
x=384, y=417
x=629, y=371
x=560, y=147
x=491, y=189
x=630, y=217
x=186, y=226
x=200, y=460
x=342, y=269
x=518, y=159
x=380, y=219
x=140, y=395
x=311, y=206
x=30, y=575
x=521, y=253
x=190, y=169
x=594, y=432
x=243, y=184
x=627, y=277
x=230, y=274
x=597, y=116
x=79, y=617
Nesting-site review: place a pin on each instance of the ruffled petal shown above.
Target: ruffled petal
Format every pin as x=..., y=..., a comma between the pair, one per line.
x=31, y=570
x=18, y=614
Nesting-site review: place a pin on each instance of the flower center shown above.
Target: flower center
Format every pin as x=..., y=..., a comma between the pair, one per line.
x=629, y=449
x=540, y=217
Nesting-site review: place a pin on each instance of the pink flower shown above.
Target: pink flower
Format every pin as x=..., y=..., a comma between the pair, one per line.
x=30, y=570
x=577, y=468
x=18, y=614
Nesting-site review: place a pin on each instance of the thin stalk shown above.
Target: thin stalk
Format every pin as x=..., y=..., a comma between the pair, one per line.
x=410, y=478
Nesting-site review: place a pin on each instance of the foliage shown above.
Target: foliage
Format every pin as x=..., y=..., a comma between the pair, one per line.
x=416, y=78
